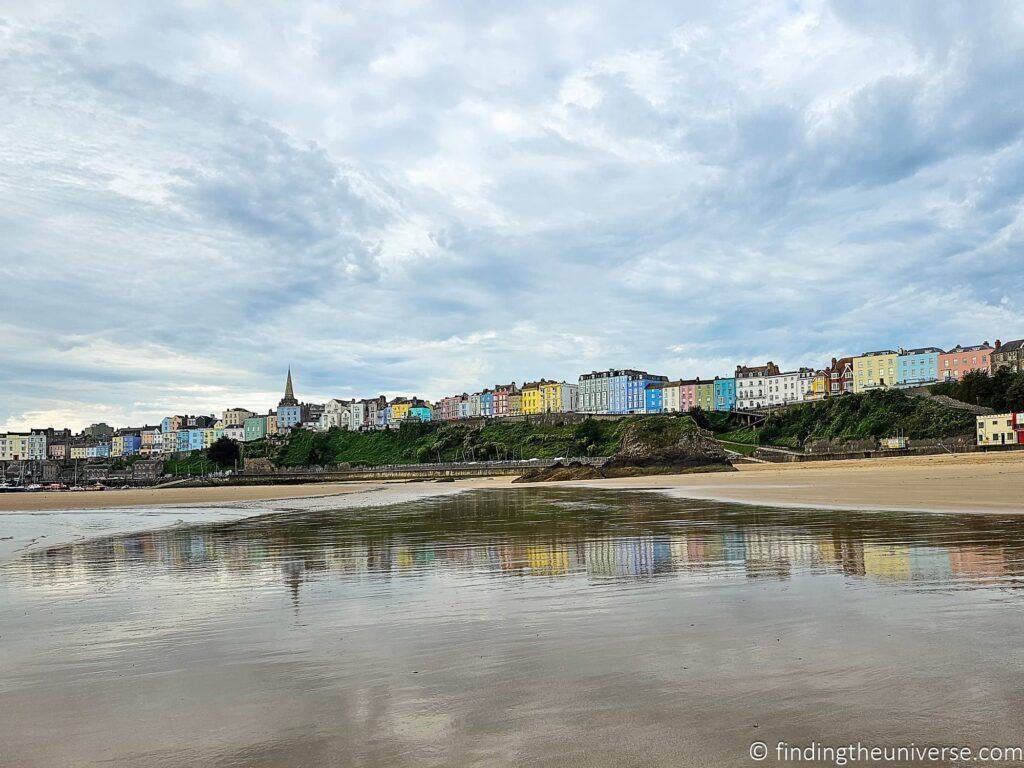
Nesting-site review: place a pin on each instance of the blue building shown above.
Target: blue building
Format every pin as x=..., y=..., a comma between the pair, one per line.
x=131, y=443
x=290, y=412
x=725, y=394
x=182, y=441
x=195, y=439
x=420, y=412
x=653, y=397
x=627, y=390
x=487, y=403
x=98, y=451
x=917, y=366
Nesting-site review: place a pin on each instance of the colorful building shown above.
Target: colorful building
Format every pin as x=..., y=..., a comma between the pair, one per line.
x=487, y=403
x=819, y=386
x=840, y=376
x=419, y=410
x=531, y=400
x=874, y=370
x=501, y=398
x=654, y=396
x=960, y=360
x=559, y=397
x=97, y=451
x=254, y=428
x=704, y=395
x=398, y=409
x=725, y=394
x=917, y=366
x=290, y=412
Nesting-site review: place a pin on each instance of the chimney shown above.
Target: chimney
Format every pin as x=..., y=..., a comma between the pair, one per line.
x=998, y=343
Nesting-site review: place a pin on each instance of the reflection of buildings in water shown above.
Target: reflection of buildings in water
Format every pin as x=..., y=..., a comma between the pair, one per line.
x=349, y=559
x=550, y=560
x=930, y=564
x=767, y=553
x=629, y=556
x=850, y=553
x=887, y=561
x=977, y=561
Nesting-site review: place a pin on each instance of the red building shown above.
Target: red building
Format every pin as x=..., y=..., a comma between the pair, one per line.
x=840, y=376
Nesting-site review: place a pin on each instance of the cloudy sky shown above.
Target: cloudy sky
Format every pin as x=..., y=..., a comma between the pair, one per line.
x=406, y=197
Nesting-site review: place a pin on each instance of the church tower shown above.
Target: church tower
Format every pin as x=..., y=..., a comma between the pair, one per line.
x=289, y=395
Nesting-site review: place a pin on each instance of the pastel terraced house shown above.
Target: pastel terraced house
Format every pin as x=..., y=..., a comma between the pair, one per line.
x=874, y=370
x=952, y=365
x=559, y=397
x=917, y=366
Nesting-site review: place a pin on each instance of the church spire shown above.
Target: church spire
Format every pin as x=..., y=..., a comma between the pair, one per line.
x=289, y=394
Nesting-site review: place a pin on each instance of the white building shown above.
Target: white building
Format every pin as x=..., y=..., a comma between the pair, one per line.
x=336, y=414
x=474, y=405
x=751, y=390
x=235, y=432
x=788, y=387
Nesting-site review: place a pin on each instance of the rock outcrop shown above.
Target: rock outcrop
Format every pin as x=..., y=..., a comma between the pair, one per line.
x=649, y=445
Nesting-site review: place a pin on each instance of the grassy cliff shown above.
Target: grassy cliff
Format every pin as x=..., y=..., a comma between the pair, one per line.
x=875, y=414
x=414, y=443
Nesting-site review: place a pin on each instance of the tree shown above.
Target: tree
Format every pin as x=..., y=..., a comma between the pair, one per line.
x=1015, y=394
x=224, y=452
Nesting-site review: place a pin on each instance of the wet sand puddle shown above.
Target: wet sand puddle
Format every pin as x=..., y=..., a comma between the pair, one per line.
x=537, y=626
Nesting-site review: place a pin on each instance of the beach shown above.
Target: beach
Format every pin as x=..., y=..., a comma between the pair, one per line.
x=972, y=482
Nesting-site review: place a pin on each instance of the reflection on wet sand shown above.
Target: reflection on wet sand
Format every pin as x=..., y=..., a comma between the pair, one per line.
x=545, y=533
x=538, y=626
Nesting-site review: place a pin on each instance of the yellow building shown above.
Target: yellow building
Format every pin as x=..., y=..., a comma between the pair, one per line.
x=399, y=409
x=77, y=452
x=874, y=370
x=532, y=397
x=558, y=396
x=117, y=446
x=209, y=437
x=819, y=386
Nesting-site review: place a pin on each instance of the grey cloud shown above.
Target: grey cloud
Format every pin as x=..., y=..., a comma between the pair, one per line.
x=251, y=191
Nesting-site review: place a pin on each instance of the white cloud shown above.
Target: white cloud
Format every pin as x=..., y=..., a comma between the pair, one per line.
x=401, y=197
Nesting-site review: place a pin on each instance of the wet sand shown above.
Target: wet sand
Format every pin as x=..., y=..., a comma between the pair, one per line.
x=988, y=482
x=151, y=497
x=539, y=626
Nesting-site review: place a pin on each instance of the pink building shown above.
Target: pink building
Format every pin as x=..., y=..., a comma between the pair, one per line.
x=688, y=394
x=501, y=395
x=959, y=360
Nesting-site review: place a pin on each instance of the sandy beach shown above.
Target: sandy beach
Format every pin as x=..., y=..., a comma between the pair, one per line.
x=983, y=482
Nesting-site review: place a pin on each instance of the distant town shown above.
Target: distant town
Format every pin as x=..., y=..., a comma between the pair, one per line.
x=614, y=391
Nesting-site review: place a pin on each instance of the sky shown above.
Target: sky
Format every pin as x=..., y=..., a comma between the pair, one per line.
x=431, y=198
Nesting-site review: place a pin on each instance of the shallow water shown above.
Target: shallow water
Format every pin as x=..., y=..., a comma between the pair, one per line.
x=530, y=626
